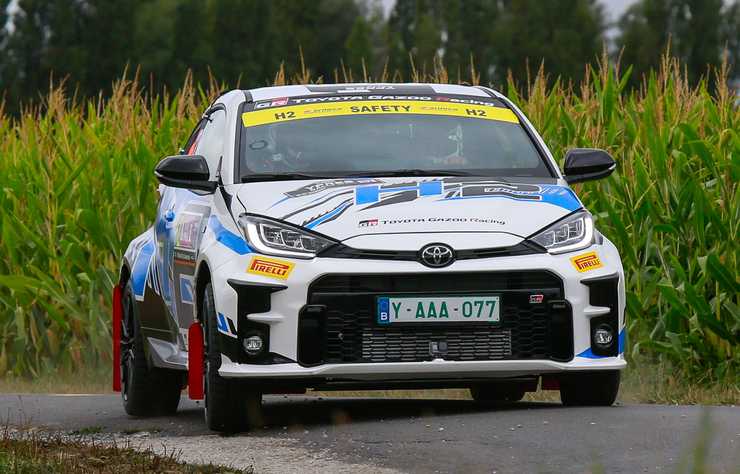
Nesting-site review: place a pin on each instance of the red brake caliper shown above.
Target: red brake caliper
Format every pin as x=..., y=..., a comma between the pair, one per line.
x=117, y=315
x=195, y=361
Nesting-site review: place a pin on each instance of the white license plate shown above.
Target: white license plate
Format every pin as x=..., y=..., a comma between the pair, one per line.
x=441, y=309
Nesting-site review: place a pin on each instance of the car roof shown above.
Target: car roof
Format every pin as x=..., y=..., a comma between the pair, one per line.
x=268, y=93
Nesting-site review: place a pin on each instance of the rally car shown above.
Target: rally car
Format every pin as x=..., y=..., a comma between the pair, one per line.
x=367, y=236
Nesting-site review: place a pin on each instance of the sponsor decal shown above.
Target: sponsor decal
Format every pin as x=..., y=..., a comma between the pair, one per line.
x=586, y=262
x=187, y=238
x=376, y=107
x=270, y=267
x=536, y=299
x=368, y=223
x=314, y=188
x=188, y=230
x=372, y=193
x=460, y=100
x=381, y=195
x=345, y=89
x=430, y=220
x=367, y=88
x=338, y=98
x=273, y=103
x=184, y=257
x=354, y=98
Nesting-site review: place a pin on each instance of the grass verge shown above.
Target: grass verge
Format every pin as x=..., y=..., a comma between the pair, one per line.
x=86, y=380
x=24, y=452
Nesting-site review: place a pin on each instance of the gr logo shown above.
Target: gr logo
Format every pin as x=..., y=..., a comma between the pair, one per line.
x=373, y=193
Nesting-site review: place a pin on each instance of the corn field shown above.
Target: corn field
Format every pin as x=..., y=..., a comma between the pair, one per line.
x=77, y=185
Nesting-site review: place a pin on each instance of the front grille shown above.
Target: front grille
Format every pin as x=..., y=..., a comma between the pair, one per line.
x=338, y=325
x=404, y=346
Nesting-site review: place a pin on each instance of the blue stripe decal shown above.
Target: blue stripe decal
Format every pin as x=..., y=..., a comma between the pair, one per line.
x=588, y=354
x=221, y=323
x=141, y=268
x=561, y=196
x=278, y=202
x=227, y=238
x=325, y=217
x=557, y=195
x=430, y=188
x=367, y=194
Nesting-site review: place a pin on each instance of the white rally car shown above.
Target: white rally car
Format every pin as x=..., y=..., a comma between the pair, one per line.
x=367, y=236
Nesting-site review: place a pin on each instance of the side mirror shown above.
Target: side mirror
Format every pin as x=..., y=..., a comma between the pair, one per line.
x=585, y=164
x=185, y=171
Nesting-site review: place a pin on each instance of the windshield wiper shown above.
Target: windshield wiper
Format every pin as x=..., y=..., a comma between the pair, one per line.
x=408, y=172
x=281, y=177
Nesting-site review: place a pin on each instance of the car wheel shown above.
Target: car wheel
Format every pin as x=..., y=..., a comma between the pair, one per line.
x=493, y=392
x=146, y=391
x=590, y=389
x=230, y=406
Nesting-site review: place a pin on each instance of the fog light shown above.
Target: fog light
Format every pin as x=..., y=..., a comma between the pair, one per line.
x=603, y=336
x=253, y=345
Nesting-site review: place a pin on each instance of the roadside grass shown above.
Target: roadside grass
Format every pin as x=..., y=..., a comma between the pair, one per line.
x=29, y=452
x=663, y=384
x=86, y=380
x=644, y=381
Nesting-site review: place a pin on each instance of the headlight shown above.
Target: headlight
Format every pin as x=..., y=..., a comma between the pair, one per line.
x=575, y=232
x=277, y=238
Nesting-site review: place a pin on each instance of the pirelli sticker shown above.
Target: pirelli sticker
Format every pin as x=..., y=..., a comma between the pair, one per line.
x=270, y=267
x=377, y=107
x=586, y=262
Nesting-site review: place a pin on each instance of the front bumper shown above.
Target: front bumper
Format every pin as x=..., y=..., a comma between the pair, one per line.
x=286, y=305
x=435, y=369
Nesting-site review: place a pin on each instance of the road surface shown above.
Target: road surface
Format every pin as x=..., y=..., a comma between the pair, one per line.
x=309, y=434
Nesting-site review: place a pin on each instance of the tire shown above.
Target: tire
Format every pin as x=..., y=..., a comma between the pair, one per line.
x=497, y=393
x=229, y=405
x=146, y=391
x=590, y=389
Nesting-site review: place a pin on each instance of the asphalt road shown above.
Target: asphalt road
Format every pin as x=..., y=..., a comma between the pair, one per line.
x=306, y=434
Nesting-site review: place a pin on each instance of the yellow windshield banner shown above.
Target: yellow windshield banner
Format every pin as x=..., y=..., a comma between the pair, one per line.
x=374, y=107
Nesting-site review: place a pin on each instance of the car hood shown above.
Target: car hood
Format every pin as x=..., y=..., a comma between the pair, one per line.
x=347, y=208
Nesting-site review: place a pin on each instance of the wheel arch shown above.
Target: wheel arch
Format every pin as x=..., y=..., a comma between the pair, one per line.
x=124, y=274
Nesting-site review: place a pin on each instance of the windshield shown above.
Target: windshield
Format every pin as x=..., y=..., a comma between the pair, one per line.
x=386, y=138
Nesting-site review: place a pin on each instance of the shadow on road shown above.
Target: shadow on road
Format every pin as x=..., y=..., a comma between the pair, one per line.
x=322, y=411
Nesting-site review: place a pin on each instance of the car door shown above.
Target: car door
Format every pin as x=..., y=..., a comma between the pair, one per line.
x=182, y=216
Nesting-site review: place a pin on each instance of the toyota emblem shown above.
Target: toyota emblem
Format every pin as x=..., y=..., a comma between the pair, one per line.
x=437, y=255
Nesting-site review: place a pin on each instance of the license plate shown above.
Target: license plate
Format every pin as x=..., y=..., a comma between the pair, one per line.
x=441, y=309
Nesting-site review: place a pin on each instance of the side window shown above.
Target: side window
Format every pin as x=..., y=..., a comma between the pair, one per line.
x=210, y=142
x=192, y=142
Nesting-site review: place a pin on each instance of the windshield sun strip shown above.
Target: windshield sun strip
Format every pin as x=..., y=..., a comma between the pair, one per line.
x=377, y=107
